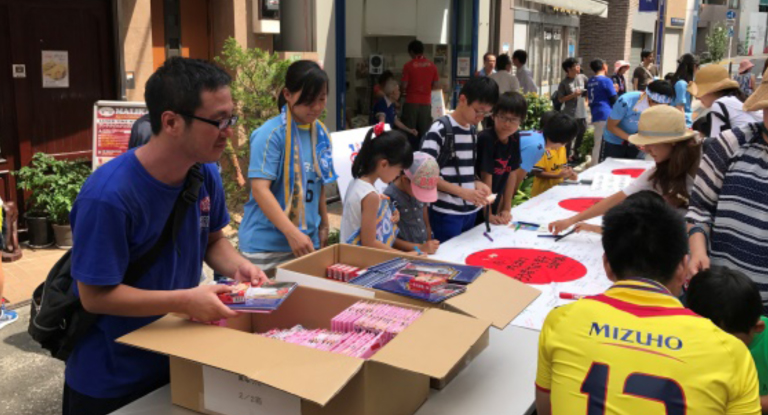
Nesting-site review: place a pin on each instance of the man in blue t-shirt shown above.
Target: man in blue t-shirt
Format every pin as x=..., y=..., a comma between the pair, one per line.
x=602, y=95
x=120, y=214
x=626, y=114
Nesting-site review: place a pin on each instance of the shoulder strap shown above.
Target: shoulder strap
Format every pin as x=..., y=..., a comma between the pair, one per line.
x=724, y=117
x=187, y=198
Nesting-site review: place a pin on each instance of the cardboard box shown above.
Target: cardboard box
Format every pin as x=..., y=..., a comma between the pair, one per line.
x=492, y=297
x=213, y=366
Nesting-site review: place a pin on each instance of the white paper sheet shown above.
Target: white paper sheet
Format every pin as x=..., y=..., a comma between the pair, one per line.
x=586, y=248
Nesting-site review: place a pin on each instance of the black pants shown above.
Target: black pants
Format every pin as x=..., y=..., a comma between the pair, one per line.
x=619, y=151
x=75, y=403
x=581, y=128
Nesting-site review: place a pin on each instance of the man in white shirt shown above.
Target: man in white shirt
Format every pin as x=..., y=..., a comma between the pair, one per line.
x=503, y=75
x=524, y=75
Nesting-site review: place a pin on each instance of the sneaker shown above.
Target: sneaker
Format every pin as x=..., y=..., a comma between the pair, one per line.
x=7, y=317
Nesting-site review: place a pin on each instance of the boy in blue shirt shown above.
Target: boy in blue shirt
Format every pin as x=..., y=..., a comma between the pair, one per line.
x=732, y=301
x=120, y=214
x=602, y=95
x=626, y=114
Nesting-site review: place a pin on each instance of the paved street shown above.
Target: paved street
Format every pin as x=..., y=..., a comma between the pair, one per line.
x=31, y=381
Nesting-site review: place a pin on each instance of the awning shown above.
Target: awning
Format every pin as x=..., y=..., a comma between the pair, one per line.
x=593, y=7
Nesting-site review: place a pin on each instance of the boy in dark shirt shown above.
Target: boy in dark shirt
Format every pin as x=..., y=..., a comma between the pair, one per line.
x=498, y=153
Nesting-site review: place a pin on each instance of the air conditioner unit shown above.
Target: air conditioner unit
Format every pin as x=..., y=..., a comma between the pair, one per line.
x=376, y=64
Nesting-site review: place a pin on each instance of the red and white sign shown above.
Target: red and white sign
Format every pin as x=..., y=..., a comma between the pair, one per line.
x=112, y=122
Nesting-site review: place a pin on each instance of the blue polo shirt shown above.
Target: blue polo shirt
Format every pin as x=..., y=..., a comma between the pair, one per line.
x=628, y=113
x=382, y=107
x=533, y=145
x=117, y=217
x=683, y=97
x=257, y=233
x=600, y=90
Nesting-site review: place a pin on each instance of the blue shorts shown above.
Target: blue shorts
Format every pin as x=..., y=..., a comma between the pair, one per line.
x=445, y=226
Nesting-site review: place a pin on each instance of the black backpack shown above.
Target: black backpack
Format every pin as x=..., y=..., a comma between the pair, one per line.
x=58, y=320
x=448, y=146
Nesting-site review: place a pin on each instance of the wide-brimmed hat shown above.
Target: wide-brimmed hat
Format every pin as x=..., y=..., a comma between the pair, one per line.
x=620, y=64
x=661, y=124
x=745, y=65
x=711, y=78
x=759, y=99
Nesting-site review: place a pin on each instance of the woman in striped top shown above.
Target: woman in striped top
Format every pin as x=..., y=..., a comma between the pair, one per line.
x=729, y=206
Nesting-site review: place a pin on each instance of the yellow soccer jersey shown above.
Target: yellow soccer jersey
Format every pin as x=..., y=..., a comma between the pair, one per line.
x=551, y=162
x=636, y=350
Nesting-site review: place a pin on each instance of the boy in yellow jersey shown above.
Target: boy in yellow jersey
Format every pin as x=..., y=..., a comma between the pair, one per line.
x=636, y=349
x=559, y=130
x=732, y=301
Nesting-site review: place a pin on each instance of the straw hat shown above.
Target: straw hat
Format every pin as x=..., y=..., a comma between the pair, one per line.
x=711, y=78
x=745, y=65
x=620, y=64
x=759, y=99
x=661, y=124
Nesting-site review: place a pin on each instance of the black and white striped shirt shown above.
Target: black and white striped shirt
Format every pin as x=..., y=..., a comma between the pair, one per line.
x=465, y=151
x=730, y=197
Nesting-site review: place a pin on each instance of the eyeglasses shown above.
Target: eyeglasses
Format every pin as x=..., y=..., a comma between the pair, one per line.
x=509, y=120
x=478, y=112
x=220, y=124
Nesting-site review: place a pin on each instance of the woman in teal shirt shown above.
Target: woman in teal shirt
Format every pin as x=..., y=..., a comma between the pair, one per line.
x=291, y=162
x=687, y=66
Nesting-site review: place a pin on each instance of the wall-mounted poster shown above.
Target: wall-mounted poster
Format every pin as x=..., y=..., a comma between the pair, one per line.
x=55, y=65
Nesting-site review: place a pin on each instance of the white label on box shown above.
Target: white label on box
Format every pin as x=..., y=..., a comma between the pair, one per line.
x=231, y=394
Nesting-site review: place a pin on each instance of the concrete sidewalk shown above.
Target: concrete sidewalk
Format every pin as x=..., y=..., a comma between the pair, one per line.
x=31, y=381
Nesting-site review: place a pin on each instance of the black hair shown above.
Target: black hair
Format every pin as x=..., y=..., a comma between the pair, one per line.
x=416, y=47
x=487, y=54
x=481, y=89
x=644, y=237
x=662, y=87
x=307, y=77
x=521, y=56
x=558, y=127
x=671, y=75
x=685, y=68
x=512, y=103
x=502, y=61
x=391, y=145
x=385, y=76
x=177, y=85
x=597, y=65
x=732, y=92
x=569, y=63
x=727, y=297
x=644, y=54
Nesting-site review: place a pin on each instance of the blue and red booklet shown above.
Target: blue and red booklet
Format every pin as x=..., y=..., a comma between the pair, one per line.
x=263, y=299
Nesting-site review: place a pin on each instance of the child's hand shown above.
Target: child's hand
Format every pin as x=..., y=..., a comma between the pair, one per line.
x=483, y=188
x=414, y=253
x=560, y=225
x=501, y=219
x=574, y=176
x=395, y=216
x=476, y=197
x=581, y=226
x=430, y=247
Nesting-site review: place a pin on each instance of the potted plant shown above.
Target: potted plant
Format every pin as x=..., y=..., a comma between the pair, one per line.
x=54, y=185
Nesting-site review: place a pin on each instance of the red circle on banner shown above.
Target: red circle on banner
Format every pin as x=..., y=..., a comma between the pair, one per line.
x=579, y=204
x=633, y=173
x=531, y=266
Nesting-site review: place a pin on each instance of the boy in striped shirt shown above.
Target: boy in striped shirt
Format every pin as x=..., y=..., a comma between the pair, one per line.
x=460, y=193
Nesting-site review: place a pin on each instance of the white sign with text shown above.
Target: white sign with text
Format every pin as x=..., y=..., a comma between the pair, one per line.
x=232, y=394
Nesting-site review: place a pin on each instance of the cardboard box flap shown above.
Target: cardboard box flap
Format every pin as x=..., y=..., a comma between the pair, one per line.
x=433, y=344
x=302, y=371
x=494, y=297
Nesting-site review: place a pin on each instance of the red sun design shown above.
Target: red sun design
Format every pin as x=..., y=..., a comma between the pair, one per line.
x=531, y=266
x=633, y=173
x=579, y=204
